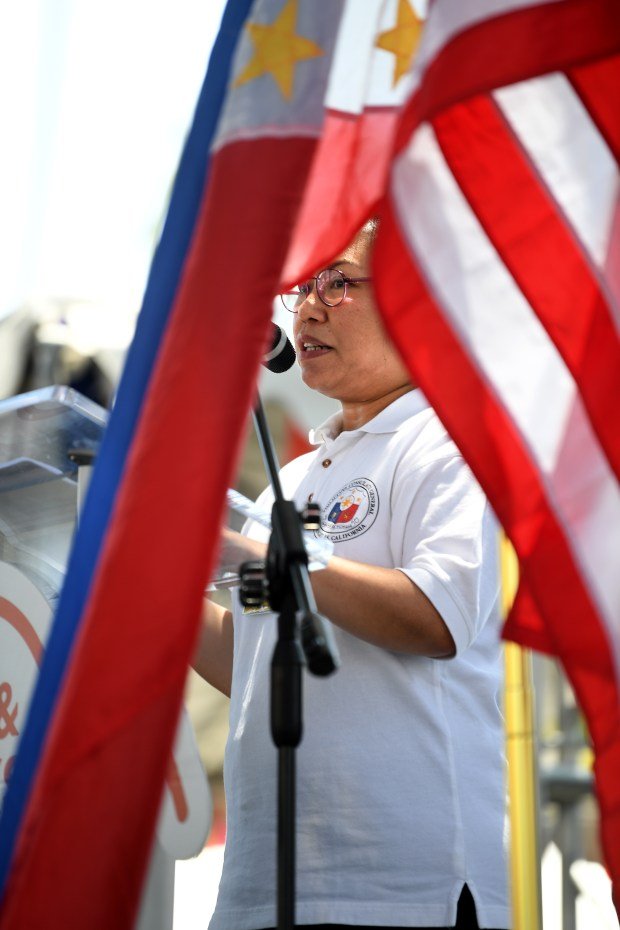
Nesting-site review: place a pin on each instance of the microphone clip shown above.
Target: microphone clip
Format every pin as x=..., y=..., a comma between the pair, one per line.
x=283, y=575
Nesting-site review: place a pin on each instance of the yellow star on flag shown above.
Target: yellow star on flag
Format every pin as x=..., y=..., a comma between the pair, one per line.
x=403, y=39
x=277, y=49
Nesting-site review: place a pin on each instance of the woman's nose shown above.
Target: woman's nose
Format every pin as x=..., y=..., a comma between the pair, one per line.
x=312, y=308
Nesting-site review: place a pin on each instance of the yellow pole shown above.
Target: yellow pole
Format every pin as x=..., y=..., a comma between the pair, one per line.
x=522, y=768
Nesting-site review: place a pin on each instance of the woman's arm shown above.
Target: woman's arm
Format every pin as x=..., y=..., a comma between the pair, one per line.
x=214, y=652
x=380, y=605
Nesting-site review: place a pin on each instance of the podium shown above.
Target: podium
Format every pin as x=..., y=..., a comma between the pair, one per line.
x=46, y=436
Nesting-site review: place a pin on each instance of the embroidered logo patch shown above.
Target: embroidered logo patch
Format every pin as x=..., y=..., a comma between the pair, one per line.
x=351, y=511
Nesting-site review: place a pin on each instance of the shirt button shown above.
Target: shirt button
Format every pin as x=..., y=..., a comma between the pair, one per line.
x=326, y=463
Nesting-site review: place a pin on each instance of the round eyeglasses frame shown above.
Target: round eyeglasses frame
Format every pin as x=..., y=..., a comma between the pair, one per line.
x=324, y=279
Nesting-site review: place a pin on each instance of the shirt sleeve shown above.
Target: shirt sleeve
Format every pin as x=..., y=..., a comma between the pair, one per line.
x=444, y=538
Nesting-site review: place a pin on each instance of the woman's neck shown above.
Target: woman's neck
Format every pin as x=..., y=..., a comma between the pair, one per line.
x=356, y=414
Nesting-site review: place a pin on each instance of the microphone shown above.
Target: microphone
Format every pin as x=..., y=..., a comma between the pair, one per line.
x=281, y=355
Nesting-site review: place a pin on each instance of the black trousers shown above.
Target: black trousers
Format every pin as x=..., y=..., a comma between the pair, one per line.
x=465, y=919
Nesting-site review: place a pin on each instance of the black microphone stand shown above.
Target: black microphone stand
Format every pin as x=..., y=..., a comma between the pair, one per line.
x=283, y=582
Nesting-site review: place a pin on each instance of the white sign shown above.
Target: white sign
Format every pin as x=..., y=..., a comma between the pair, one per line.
x=25, y=623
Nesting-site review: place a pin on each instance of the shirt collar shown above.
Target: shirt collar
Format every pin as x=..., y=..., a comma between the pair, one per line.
x=388, y=420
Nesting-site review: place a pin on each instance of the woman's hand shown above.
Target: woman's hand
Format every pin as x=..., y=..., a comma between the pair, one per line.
x=234, y=550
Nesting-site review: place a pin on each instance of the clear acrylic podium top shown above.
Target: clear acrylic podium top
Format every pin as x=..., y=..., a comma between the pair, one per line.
x=39, y=433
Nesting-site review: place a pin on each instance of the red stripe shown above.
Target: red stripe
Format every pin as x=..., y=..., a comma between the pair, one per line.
x=547, y=263
x=495, y=450
x=525, y=624
x=119, y=707
x=348, y=177
x=513, y=47
x=499, y=457
x=598, y=85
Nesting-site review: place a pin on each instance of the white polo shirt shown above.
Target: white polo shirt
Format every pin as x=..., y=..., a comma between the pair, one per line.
x=400, y=782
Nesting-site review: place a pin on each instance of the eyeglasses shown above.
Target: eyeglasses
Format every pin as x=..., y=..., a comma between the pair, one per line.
x=331, y=287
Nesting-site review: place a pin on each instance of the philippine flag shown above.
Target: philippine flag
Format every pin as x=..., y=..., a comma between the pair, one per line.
x=80, y=809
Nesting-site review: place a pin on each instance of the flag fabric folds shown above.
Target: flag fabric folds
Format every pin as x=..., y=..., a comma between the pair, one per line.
x=497, y=271
x=492, y=163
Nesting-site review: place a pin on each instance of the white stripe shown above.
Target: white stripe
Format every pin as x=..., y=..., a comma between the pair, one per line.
x=512, y=351
x=349, y=78
x=569, y=153
x=362, y=73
